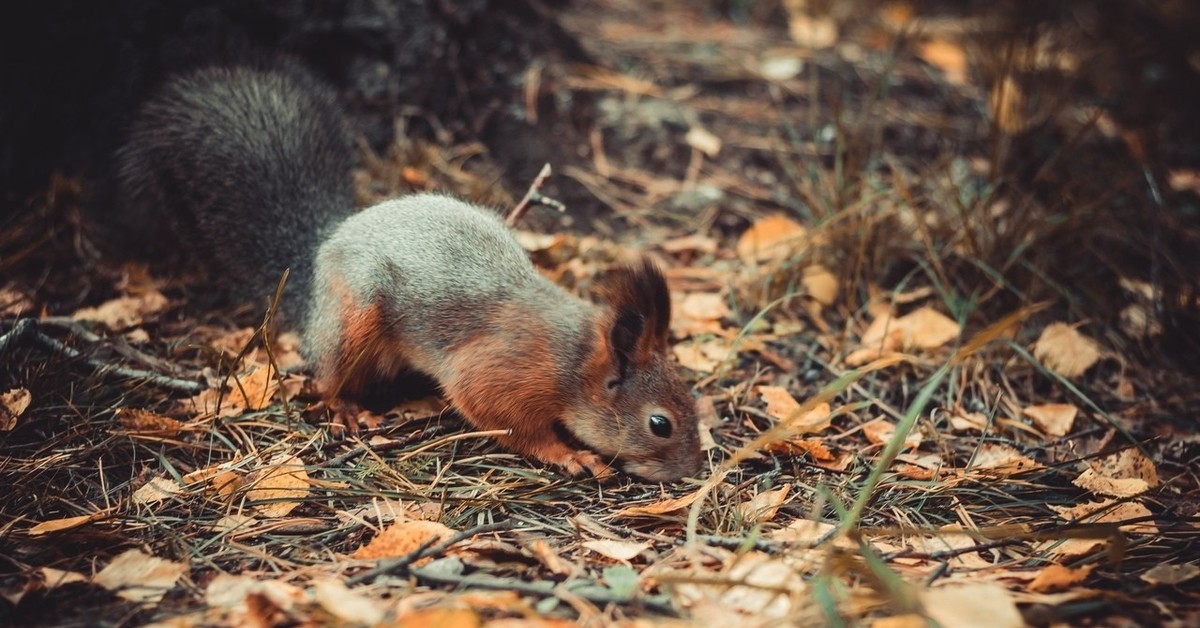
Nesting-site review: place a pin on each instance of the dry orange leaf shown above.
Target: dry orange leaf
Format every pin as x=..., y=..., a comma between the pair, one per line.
x=67, y=523
x=1055, y=419
x=772, y=238
x=780, y=403
x=1058, y=578
x=347, y=604
x=1065, y=351
x=1003, y=460
x=802, y=446
x=440, y=618
x=881, y=430
x=704, y=306
x=124, y=312
x=140, y=577
x=138, y=421
x=820, y=284
x=550, y=558
x=1123, y=474
x=285, y=483
x=251, y=390
x=947, y=56
x=156, y=490
x=659, y=507
x=703, y=357
x=402, y=538
x=616, y=550
x=12, y=405
x=926, y=328
x=695, y=242
x=764, y=506
x=967, y=606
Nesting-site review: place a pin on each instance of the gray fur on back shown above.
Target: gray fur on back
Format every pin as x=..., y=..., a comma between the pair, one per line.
x=436, y=264
x=248, y=165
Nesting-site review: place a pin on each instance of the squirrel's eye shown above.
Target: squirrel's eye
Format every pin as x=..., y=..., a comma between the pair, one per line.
x=660, y=425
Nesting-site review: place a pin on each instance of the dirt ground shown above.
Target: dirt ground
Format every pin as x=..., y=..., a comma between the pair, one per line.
x=934, y=287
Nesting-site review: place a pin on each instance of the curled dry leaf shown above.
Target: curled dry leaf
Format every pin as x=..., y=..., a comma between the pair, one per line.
x=881, y=430
x=1058, y=578
x=782, y=406
x=820, y=284
x=12, y=405
x=921, y=329
x=983, y=605
x=66, y=523
x=230, y=593
x=140, y=577
x=616, y=550
x=156, y=490
x=766, y=588
x=1065, y=351
x=1055, y=419
x=661, y=507
x=1107, y=511
x=278, y=489
x=947, y=56
x=1123, y=474
x=764, y=506
x=250, y=390
x=550, y=558
x=440, y=618
x=348, y=605
x=402, y=538
x=773, y=238
x=138, y=421
x=1170, y=574
x=703, y=357
x=124, y=312
x=1004, y=460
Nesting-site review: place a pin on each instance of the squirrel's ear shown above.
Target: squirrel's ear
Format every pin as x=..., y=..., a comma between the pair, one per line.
x=638, y=292
x=623, y=339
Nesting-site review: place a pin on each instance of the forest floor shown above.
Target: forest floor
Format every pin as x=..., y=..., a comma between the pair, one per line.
x=936, y=380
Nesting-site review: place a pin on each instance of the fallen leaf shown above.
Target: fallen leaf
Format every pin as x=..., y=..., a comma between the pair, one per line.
x=1003, y=460
x=948, y=57
x=1058, y=578
x=926, y=328
x=1071, y=548
x=440, y=618
x=970, y=605
x=911, y=620
x=277, y=490
x=550, y=558
x=616, y=550
x=812, y=447
x=773, y=238
x=138, y=421
x=58, y=525
x=1055, y=419
x=1065, y=351
x=804, y=531
x=140, y=577
x=659, y=507
x=347, y=604
x=764, y=506
x=810, y=31
x=703, y=357
x=968, y=421
x=403, y=538
x=1170, y=574
x=780, y=68
x=695, y=242
x=881, y=430
x=704, y=306
x=703, y=140
x=12, y=405
x=250, y=390
x=123, y=312
x=780, y=403
x=230, y=592
x=156, y=490
x=14, y=303
x=756, y=586
x=820, y=284
x=1123, y=474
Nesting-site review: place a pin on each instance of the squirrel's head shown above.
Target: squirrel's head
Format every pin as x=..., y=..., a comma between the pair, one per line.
x=636, y=408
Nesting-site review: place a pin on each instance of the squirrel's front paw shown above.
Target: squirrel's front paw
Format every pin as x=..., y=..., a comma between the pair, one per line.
x=345, y=417
x=578, y=462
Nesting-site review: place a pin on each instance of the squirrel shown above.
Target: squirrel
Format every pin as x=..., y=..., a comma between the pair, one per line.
x=256, y=162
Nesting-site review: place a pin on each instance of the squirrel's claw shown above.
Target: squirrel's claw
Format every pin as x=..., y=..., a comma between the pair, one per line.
x=579, y=463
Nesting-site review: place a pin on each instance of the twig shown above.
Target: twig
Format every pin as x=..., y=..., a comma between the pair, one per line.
x=426, y=550
x=591, y=593
x=25, y=331
x=533, y=195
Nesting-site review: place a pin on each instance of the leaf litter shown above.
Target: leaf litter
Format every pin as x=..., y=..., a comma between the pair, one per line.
x=1011, y=486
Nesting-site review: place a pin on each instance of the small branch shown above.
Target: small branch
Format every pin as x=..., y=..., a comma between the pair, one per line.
x=533, y=195
x=25, y=331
